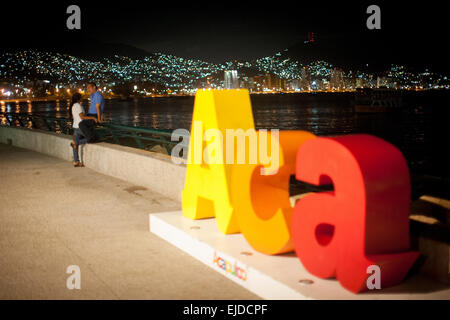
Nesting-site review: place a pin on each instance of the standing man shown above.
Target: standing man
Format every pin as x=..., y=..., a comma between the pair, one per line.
x=97, y=102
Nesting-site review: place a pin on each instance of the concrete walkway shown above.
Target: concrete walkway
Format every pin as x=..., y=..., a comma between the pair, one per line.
x=53, y=215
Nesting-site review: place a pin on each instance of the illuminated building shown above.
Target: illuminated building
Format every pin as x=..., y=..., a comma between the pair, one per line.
x=231, y=80
x=306, y=79
x=336, y=79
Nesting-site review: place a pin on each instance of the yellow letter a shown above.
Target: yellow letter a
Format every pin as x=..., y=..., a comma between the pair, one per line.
x=207, y=187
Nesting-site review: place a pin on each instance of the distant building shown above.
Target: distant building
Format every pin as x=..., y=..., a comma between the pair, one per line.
x=283, y=84
x=268, y=82
x=274, y=83
x=349, y=83
x=231, y=80
x=336, y=79
x=385, y=82
x=381, y=82
x=258, y=83
x=305, y=82
x=360, y=83
x=293, y=85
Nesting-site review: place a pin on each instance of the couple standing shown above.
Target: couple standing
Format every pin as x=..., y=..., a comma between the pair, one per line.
x=84, y=124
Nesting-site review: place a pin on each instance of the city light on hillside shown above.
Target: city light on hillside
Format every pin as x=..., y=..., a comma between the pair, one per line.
x=176, y=75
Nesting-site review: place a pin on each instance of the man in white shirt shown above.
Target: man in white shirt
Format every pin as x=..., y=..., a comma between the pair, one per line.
x=78, y=137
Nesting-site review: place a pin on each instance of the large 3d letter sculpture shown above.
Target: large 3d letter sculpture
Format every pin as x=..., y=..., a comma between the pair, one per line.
x=262, y=203
x=207, y=187
x=364, y=221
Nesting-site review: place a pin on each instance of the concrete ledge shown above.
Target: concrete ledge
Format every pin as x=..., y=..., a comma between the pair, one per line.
x=148, y=169
x=52, y=144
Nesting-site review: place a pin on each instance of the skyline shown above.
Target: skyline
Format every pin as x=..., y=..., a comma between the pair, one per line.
x=35, y=74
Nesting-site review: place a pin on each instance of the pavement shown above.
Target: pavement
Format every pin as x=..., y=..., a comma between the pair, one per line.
x=53, y=215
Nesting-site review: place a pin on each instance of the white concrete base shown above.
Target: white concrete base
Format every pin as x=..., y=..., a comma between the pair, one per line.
x=270, y=277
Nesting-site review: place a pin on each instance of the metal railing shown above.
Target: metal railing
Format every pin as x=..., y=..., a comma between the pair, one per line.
x=145, y=138
x=142, y=138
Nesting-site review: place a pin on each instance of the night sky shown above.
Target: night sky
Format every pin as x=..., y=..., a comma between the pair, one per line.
x=234, y=30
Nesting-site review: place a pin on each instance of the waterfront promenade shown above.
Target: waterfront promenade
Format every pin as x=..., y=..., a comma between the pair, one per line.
x=53, y=215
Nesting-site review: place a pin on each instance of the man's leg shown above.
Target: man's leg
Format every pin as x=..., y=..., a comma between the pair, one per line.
x=79, y=137
x=81, y=140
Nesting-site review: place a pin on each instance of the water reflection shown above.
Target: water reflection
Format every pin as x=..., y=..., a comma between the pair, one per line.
x=3, y=120
x=419, y=131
